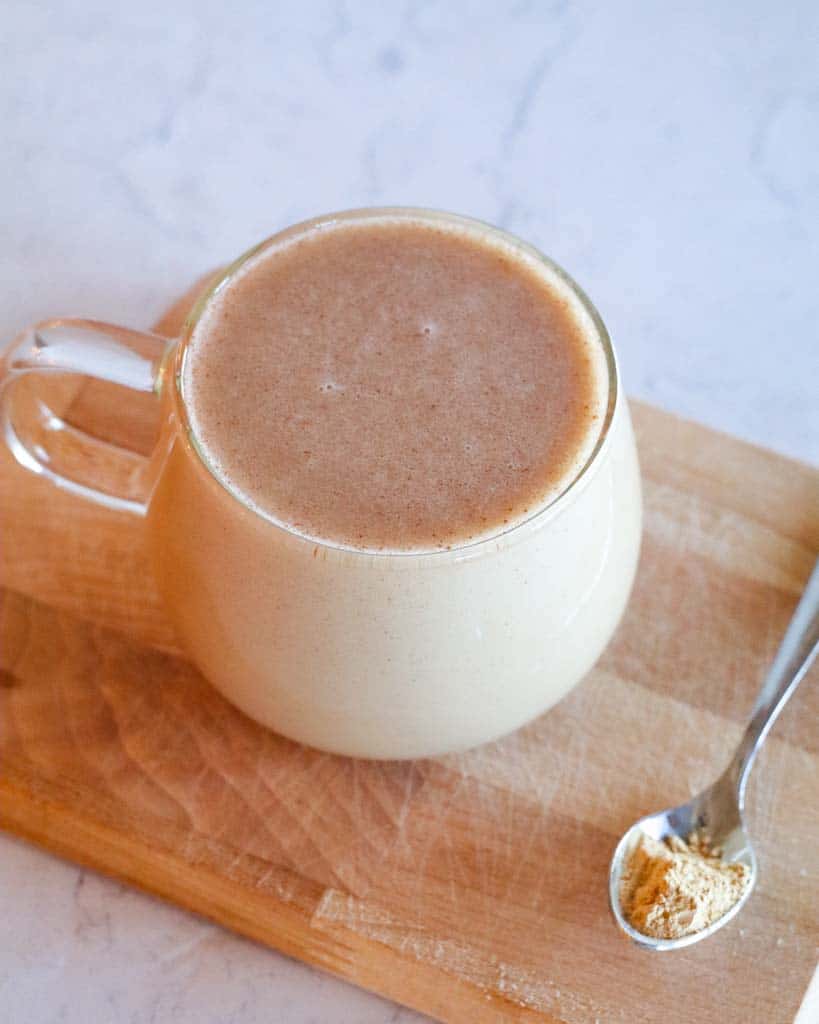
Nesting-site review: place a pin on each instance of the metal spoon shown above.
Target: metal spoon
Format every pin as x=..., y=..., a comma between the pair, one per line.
x=718, y=810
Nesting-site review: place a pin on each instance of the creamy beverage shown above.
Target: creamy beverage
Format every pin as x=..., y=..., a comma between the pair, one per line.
x=397, y=504
x=395, y=384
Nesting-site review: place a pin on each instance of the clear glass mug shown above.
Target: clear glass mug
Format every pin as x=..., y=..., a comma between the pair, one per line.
x=379, y=655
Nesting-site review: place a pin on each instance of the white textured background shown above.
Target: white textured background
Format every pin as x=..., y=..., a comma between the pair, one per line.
x=667, y=155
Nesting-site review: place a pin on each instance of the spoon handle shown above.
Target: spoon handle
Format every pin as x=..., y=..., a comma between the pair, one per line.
x=796, y=652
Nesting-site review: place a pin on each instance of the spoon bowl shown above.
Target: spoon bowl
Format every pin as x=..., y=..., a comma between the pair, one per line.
x=716, y=813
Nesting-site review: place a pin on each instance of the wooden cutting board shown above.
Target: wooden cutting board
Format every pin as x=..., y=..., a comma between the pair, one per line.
x=472, y=887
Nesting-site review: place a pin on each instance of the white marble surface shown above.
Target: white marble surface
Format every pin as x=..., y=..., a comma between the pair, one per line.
x=667, y=155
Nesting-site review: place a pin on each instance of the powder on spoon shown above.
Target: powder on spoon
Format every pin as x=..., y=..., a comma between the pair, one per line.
x=675, y=888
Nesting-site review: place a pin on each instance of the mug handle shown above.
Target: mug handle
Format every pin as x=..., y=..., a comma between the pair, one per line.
x=48, y=445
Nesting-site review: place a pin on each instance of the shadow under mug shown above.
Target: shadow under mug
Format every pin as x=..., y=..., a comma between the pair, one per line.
x=369, y=654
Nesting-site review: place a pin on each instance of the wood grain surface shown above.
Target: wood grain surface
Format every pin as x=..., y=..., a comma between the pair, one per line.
x=472, y=887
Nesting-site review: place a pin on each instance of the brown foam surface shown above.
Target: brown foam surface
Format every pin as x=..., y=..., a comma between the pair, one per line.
x=393, y=384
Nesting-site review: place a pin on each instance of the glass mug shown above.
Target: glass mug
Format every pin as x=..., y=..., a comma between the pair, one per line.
x=378, y=655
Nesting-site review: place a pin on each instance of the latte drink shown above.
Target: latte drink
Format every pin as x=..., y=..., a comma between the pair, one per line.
x=398, y=506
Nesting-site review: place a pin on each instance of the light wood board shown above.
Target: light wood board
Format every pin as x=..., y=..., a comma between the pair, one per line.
x=472, y=887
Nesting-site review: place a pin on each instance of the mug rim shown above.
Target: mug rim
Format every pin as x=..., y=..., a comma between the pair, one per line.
x=224, y=278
